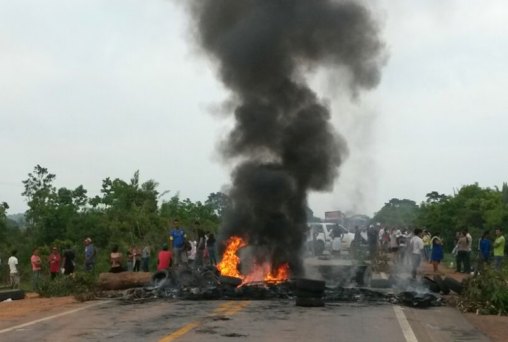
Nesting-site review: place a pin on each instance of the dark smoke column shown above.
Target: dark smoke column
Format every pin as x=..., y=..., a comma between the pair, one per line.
x=283, y=135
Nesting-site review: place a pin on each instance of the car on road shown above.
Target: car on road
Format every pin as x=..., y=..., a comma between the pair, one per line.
x=320, y=236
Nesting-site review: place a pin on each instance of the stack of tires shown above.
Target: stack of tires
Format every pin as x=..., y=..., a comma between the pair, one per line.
x=309, y=292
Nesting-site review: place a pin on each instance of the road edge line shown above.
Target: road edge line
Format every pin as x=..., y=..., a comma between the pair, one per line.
x=407, y=331
x=20, y=326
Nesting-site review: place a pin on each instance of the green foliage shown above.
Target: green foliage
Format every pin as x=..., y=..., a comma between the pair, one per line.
x=79, y=284
x=472, y=207
x=126, y=213
x=397, y=212
x=485, y=294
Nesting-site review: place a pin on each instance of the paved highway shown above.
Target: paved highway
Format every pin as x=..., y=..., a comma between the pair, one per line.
x=177, y=320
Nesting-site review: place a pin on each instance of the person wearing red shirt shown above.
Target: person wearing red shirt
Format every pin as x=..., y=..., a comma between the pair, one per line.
x=54, y=262
x=164, y=259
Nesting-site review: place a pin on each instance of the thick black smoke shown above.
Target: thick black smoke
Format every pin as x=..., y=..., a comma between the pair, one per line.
x=283, y=135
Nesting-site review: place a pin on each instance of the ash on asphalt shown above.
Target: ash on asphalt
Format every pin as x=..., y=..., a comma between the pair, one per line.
x=207, y=284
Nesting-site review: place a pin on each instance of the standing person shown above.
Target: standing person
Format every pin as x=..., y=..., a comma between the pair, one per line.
x=200, y=248
x=90, y=254
x=210, y=246
x=469, y=239
x=54, y=262
x=145, y=259
x=426, y=245
x=68, y=260
x=394, y=243
x=416, y=249
x=36, y=269
x=485, y=250
x=164, y=258
x=499, y=244
x=115, y=258
x=13, y=270
x=130, y=259
x=177, y=237
x=372, y=237
x=136, y=259
x=462, y=249
x=437, y=253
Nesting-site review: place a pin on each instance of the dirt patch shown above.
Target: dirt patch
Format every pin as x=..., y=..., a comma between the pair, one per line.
x=32, y=305
x=495, y=327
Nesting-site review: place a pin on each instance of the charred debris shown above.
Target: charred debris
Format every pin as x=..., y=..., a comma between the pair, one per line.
x=207, y=284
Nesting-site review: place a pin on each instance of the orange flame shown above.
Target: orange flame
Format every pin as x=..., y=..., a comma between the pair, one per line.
x=259, y=273
x=228, y=266
x=279, y=276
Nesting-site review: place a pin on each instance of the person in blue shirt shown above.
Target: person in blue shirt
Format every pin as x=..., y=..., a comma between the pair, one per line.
x=177, y=237
x=90, y=253
x=485, y=251
x=437, y=252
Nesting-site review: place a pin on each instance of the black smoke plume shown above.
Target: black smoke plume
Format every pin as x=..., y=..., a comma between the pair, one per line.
x=283, y=137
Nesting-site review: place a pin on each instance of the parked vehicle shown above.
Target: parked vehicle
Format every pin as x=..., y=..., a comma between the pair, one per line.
x=321, y=235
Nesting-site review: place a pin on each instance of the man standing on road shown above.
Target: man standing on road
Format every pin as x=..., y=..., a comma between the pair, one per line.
x=499, y=244
x=13, y=270
x=177, y=237
x=416, y=249
x=90, y=254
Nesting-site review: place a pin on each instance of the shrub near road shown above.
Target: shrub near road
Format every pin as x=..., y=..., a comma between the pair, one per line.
x=485, y=294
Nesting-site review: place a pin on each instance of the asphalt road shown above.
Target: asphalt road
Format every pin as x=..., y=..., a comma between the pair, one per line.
x=241, y=321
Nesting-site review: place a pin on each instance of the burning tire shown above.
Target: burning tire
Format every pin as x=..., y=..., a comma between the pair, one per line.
x=12, y=294
x=309, y=302
x=230, y=281
x=439, y=281
x=453, y=285
x=310, y=285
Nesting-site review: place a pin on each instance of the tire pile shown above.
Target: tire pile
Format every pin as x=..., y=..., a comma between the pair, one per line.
x=309, y=292
x=442, y=285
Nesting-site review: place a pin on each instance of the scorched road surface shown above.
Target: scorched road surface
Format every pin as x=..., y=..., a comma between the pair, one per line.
x=241, y=321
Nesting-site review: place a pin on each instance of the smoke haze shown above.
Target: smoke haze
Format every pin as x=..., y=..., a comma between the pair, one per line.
x=283, y=138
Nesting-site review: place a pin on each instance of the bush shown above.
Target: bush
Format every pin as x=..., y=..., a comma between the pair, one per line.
x=80, y=285
x=485, y=294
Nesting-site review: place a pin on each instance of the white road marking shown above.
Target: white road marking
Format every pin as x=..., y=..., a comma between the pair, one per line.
x=20, y=326
x=408, y=332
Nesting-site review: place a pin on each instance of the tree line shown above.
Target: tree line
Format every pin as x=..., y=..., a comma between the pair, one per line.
x=125, y=213
x=470, y=207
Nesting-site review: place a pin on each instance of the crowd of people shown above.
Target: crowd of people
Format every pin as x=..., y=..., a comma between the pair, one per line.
x=411, y=249
x=177, y=249
x=57, y=264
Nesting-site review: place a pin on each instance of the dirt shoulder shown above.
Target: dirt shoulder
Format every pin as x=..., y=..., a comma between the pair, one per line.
x=33, y=307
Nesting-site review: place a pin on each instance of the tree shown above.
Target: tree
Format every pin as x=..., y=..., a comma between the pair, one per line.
x=219, y=202
x=398, y=212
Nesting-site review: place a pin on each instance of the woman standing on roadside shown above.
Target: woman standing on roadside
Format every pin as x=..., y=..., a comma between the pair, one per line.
x=437, y=252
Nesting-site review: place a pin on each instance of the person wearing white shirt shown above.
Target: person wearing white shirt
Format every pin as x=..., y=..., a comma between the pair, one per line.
x=13, y=270
x=416, y=248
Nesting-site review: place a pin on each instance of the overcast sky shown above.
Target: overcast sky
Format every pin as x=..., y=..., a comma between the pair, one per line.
x=95, y=89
